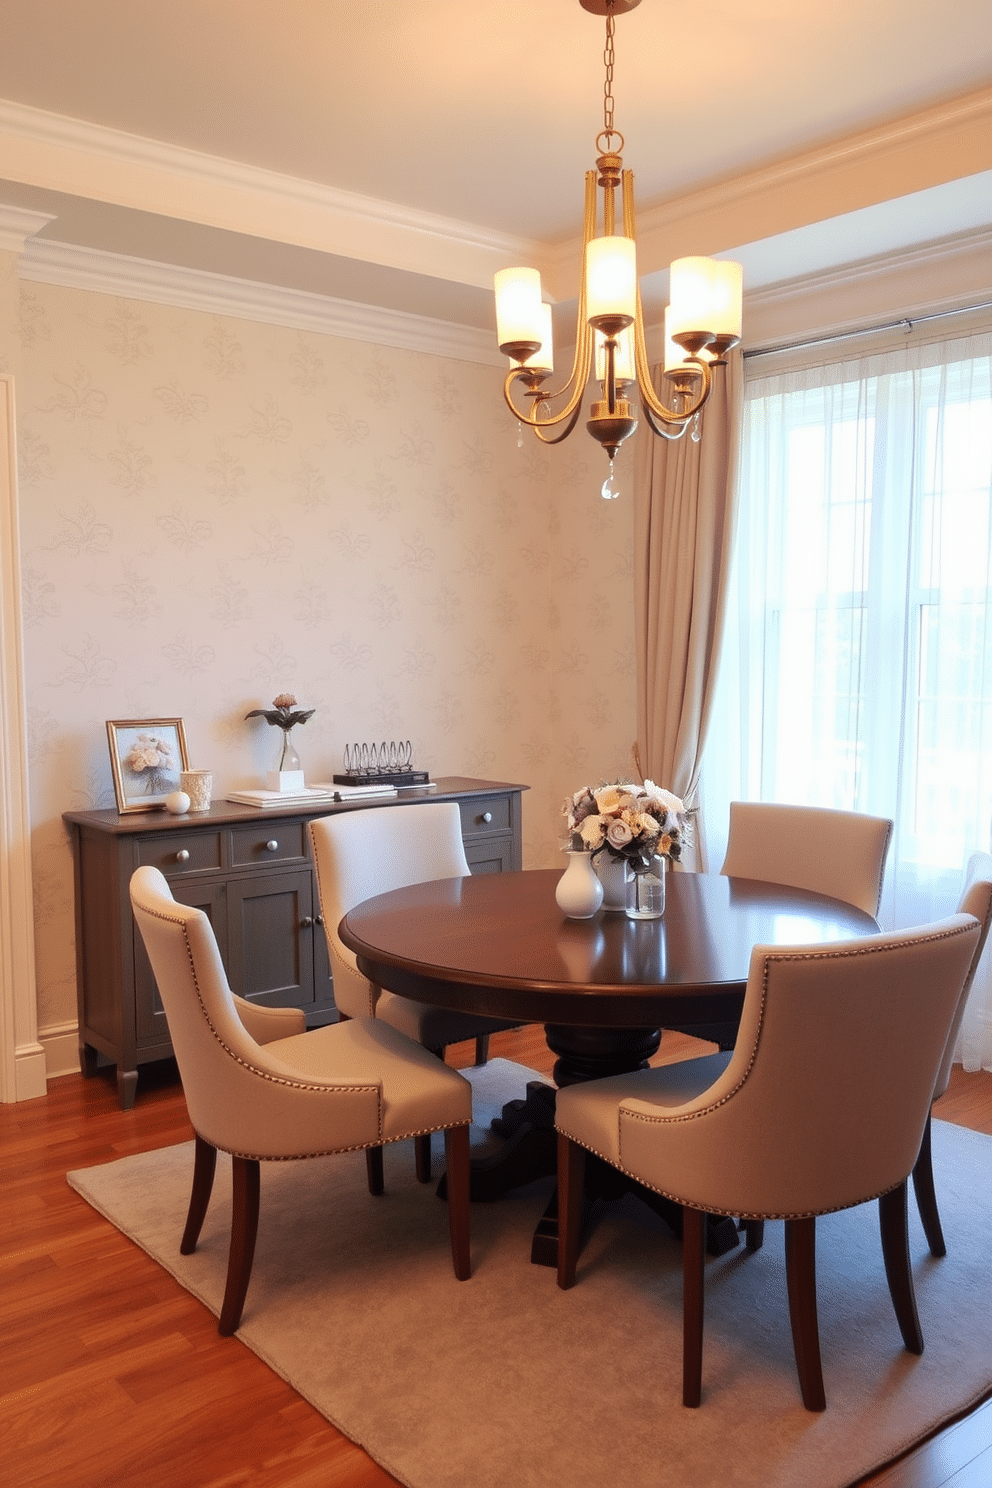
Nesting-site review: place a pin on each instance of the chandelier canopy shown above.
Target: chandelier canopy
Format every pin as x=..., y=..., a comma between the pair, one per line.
x=702, y=320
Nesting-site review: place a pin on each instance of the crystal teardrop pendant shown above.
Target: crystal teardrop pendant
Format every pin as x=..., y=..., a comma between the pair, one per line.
x=609, y=490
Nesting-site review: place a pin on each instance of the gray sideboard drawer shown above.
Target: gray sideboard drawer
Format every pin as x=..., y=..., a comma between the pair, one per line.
x=484, y=814
x=268, y=842
x=182, y=852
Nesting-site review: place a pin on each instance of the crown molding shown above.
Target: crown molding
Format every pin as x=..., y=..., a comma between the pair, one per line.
x=947, y=274
x=17, y=225
x=919, y=257
x=194, y=289
x=943, y=143
x=81, y=159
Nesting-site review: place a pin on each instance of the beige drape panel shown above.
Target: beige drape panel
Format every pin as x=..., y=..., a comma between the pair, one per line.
x=684, y=527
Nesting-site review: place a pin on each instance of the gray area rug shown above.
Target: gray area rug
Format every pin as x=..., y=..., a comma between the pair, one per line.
x=506, y=1382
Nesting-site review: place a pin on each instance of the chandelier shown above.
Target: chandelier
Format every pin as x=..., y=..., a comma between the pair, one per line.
x=702, y=320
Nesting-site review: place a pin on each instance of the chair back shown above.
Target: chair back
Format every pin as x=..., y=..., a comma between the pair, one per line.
x=976, y=899
x=208, y=1037
x=839, y=853
x=825, y=1098
x=361, y=853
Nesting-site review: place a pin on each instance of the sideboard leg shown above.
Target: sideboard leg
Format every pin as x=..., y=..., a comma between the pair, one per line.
x=127, y=1087
x=87, y=1060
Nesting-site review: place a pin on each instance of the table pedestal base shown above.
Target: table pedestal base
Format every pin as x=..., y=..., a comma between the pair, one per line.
x=531, y=1143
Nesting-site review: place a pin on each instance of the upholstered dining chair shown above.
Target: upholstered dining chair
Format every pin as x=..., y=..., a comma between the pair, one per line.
x=976, y=899
x=261, y=1088
x=359, y=854
x=781, y=1134
x=839, y=853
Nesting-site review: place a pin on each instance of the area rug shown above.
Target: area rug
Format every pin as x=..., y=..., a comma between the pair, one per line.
x=504, y=1381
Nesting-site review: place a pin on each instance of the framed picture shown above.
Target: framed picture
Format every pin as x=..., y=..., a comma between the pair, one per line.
x=147, y=755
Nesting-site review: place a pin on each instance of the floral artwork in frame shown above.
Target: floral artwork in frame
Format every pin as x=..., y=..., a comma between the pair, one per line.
x=147, y=755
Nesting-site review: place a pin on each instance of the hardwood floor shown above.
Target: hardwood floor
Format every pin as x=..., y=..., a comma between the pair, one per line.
x=111, y=1373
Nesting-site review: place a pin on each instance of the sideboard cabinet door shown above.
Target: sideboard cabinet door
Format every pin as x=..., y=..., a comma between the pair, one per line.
x=250, y=870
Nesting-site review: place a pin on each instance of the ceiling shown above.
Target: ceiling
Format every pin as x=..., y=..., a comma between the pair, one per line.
x=394, y=154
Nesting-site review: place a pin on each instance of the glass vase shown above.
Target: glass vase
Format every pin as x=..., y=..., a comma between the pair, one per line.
x=286, y=774
x=646, y=890
x=286, y=755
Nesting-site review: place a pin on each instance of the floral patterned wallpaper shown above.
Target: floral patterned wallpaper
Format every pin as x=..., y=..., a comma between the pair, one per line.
x=214, y=511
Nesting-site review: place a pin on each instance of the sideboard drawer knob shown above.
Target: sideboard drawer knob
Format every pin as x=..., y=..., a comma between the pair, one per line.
x=272, y=845
x=182, y=856
x=306, y=921
x=487, y=817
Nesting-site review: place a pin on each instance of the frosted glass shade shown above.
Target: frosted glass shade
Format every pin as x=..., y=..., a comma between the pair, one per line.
x=693, y=294
x=611, y=277
x=544, y=360
x=518, y=306
x=674, y=354
x=624, y=365
x=728, y=297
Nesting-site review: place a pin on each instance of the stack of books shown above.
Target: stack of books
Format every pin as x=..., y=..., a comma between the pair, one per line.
x=311, y=795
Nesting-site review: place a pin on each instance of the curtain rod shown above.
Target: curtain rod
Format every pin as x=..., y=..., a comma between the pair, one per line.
x=895, y=325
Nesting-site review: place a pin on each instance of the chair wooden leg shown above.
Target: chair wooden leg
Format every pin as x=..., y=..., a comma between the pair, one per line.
x=693, y=1283
x=456, y=1154
x=800, y=1271
x=373, y=1167
x=571, y=1174
x=898, y=1271
x=244, y=1228
x=422, y=1157
x=482, y=1049
x=926, y=1197
x=755, y=1233
x=204, y=1166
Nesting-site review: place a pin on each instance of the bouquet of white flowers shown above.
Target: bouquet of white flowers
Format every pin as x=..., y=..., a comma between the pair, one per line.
x=632, y=823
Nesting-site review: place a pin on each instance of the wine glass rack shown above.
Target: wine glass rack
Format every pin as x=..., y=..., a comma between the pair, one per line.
x=380, y=764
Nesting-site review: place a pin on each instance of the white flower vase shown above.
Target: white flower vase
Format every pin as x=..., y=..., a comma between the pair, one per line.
x=646, y=891
x=612, y=874
x=579, y=892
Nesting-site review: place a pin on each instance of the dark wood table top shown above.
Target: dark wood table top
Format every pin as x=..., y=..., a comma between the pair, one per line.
x=499, y=944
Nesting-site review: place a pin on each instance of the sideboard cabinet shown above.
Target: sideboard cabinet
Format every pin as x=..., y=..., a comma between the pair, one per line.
x=251, y=871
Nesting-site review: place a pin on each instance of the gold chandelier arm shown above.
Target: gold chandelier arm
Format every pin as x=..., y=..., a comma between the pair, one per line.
x=557, y=438
x=674, y=432
x=582, y=360
x=650, y=402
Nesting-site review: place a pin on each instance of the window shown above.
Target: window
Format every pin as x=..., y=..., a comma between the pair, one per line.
x=857, y=665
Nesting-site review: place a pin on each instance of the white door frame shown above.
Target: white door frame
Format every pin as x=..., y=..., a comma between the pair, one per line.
x=22, y=1058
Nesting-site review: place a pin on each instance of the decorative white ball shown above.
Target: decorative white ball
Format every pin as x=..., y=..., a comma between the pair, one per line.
x=177, y=803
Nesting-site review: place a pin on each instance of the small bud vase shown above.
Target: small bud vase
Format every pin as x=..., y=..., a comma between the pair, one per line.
x=287, y=774
x=646, y=891
x=579, y=892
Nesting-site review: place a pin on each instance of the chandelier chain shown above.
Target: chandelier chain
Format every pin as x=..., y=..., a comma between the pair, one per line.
x=609, y=57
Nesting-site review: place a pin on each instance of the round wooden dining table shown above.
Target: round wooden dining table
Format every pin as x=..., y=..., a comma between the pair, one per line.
x=603, y=988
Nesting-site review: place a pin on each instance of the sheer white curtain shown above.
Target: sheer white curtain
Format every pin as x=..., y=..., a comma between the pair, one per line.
x=857, y=665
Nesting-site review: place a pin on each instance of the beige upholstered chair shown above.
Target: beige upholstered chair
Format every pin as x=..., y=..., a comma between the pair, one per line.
x=781, y=1134
x=259, y=1087
x=976, y=899
x=840, y=853
x=359, y=854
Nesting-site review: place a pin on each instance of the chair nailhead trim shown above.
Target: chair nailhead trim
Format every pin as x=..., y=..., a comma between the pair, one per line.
x=282, y=1079
x=867, y=948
